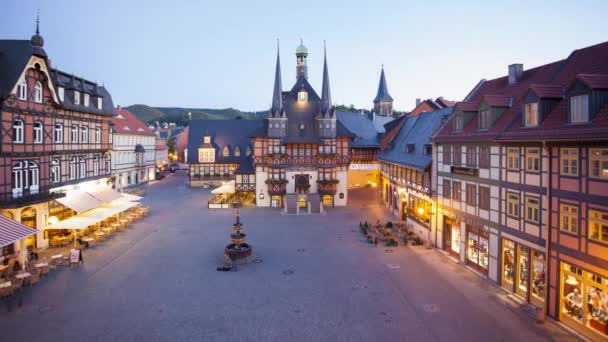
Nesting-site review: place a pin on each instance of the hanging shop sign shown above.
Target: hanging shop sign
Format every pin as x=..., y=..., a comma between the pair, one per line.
x=467, y=171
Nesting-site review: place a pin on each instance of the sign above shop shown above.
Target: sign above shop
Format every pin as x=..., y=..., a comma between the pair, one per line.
x=467, y=171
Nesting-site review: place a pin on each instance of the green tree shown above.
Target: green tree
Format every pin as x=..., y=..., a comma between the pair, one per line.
x=171, y=143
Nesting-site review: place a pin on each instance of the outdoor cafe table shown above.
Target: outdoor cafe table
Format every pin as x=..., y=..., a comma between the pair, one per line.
x=88, y=239
x=5, y=284
x=23, y=275
x=41, y=264
x=108, y=230
x=57, y=256
x=3, y=267
x=100, y=234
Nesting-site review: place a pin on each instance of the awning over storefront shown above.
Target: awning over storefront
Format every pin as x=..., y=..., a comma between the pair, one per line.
x=130, y=197
x=12, y=231
x=106, y=195
x=80, y=201
x=94, y=216
x=226, y=188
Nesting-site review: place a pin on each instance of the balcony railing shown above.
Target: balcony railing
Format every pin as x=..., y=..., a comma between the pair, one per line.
x=276, y=187
x=283, y=159
x=27, y=197
x=224, y=177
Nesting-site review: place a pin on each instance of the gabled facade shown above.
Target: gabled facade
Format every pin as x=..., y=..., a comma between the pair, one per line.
x=134, y=150
x=55, y=136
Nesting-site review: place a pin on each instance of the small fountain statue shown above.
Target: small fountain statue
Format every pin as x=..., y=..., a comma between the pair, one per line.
x=238, y=251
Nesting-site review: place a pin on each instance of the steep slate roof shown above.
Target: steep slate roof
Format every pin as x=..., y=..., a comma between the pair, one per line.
x=361, y=127
x=382, y=94
x=380, y=122
x=65, y=80
x=587, y=65
x=392, y=128
x=14, y=55
x=223, y=133
x=417, y=132
x=126, y=122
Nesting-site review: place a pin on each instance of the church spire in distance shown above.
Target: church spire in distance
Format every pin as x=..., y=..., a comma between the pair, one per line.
x=277, y=94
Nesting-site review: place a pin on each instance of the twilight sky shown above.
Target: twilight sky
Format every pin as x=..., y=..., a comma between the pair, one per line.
x=219, y=54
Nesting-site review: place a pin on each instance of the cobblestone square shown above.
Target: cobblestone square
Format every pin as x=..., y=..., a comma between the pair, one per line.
x=315, y=280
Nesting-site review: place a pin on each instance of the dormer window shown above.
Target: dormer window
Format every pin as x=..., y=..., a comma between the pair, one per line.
x=531, y=114
x=22, y=90
x=428, y=149
x=458, y=123
x=99, y=102
x=61, y=93
x=226, y=151
x=76, y=97
x=579, y=109
x=237, y=151
x=86, y=100
x=302, y=96
x=484, y=119
x=409, y=148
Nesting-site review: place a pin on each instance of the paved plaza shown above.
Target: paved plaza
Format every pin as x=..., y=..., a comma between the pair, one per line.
x=315, y=280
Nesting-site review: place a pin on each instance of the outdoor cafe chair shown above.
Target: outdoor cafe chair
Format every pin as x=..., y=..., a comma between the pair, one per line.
x=6, y=292
x=32, y=280
x=16, y=284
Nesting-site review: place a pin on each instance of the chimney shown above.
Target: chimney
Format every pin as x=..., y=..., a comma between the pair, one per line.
x=515, y=72
x=418, y=101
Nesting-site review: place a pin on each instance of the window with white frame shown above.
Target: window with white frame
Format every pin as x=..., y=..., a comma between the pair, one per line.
x=533, y=209
x=25, y=177
x=58, y=133
x=38, y=92
x=86, y=99
x=108, y=164
x=512, y=204
x=82, y=168
x=598, y=163
x=513, y=158
x=38, y=132
x=531, y=114
x=74, y=134
x=84, y=134
x=568, y=218
x=569, y=161
x=55, y=170
x=73, y=168
x=98, y=134
x=18, y=131
x=22, y=90
x=458, y=122
x=99, y=103
x=95, y=166
x=579, y=108
x=61, y=93
x=533, y=159
x=76, y=97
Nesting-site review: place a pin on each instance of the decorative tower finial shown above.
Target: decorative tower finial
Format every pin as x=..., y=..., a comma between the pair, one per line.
x=301, y=54
x=383, y=103
x=37, y=40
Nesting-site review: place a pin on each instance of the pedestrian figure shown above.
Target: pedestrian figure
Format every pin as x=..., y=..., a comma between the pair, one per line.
x=80, y=261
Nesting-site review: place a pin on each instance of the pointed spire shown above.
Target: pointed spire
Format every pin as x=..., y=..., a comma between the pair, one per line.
x=325, y=92
x=277, y=95
x=36, y=39
x=382, y=94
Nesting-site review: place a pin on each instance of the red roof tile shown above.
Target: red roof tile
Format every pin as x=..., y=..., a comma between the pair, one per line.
x=547, y=91
x=497, y=100
x=594, y=81
x=126, y=122
x=390, y=135
x=467, y=106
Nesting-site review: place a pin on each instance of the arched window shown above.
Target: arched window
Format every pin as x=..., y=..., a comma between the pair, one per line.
x=237, y=151
x=38, y=92
x=55, y=170
x=226, y=151
x=84, y=134
x=96, y=166
x=248, y=151
x=38, y=137
x=58, y=134
x=25, y=178
x=108, y=164
x=18, y=131
x=22, y=90
x=82, y=167
x=74, y=133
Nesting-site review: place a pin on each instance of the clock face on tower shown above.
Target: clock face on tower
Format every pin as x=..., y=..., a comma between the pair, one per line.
x=302, y=96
